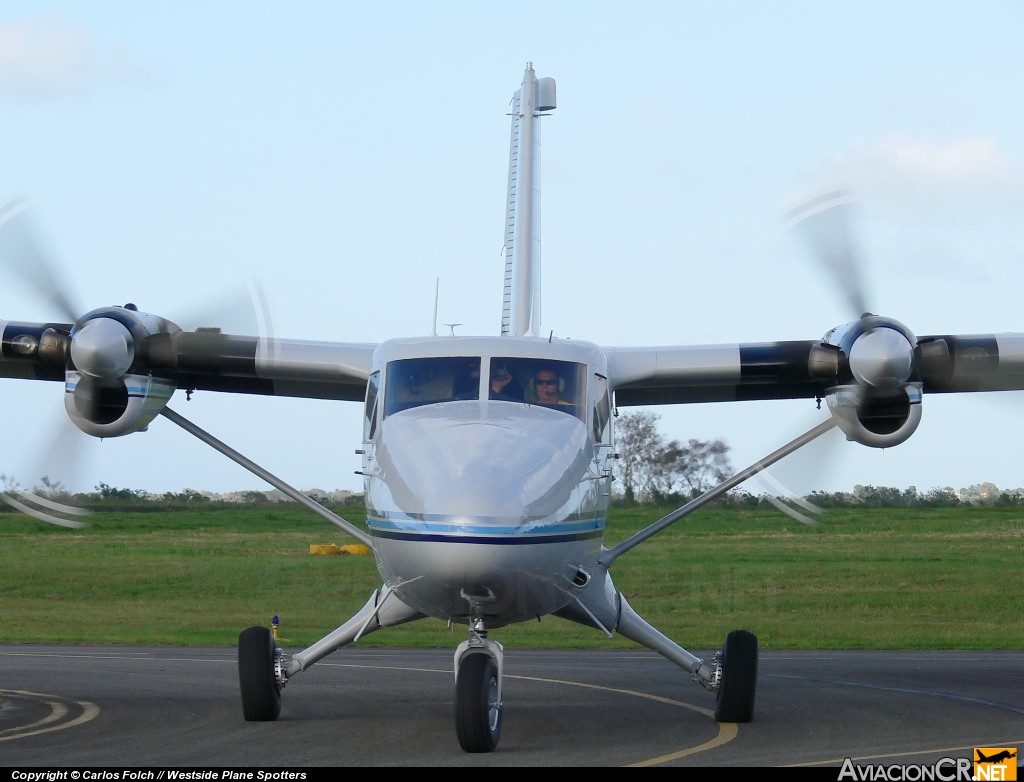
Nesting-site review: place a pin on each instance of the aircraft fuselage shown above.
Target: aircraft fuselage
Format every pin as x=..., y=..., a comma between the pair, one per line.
x=487, y=465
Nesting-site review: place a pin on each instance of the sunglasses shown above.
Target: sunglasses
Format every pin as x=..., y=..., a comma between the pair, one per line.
x=541, y=382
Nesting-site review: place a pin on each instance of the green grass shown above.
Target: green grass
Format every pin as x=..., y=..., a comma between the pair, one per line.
x=862, y=579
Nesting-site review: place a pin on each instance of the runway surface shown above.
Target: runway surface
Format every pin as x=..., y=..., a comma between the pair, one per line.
x=131, y=707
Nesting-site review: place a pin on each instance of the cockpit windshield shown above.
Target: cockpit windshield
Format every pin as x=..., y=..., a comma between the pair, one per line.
x=412, y=382
x=560, y=385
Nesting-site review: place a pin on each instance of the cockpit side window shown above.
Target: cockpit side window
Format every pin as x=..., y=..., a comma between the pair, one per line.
x=370, y=411
x=412, y=382
x=602, y=410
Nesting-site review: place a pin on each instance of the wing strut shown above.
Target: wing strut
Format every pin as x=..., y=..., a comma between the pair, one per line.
x=273, y=480
x=610, y=555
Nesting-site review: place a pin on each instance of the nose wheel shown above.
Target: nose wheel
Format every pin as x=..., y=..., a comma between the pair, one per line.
x=477, y=703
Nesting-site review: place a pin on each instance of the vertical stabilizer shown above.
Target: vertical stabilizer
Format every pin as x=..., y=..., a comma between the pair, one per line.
x=521, y=305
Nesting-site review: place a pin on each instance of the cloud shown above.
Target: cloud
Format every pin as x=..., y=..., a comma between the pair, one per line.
x=949, y=207
x=907, y=176
x=44, y=57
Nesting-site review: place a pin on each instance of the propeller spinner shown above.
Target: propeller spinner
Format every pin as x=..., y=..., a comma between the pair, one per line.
x=102, y=348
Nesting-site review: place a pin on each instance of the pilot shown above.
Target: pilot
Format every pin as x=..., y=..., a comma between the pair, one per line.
x=545, y=386
x=502, y=384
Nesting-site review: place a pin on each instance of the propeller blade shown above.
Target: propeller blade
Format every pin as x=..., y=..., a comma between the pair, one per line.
x=810, y=465
x=22, y=255
x=241, y=312
x=61, y=456
x=792, y=512
x=824, y=224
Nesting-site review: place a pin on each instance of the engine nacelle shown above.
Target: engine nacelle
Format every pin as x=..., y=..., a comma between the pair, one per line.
x=108, y=388
x=114, y=408
x=878, y=421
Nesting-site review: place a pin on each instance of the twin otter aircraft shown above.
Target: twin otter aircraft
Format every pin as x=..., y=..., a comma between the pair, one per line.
x=487, y=461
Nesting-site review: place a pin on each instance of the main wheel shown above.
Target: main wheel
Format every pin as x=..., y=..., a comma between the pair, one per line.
x=477, y=710
x=261, y=695
x=739, y=678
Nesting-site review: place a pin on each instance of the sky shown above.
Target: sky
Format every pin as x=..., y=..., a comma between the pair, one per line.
x=349, y=159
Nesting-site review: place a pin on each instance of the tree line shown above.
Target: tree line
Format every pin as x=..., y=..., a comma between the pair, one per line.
x=112, y=498
x=648, y=470
x=651, y=470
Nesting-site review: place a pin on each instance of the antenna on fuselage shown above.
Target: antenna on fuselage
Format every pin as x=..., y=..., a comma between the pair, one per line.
x=452, y=327
x=437, y=289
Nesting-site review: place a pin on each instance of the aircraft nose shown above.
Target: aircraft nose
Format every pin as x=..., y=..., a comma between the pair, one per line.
x=521, y=463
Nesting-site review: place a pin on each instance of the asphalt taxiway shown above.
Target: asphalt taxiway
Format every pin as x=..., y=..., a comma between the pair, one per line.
x=131, y=707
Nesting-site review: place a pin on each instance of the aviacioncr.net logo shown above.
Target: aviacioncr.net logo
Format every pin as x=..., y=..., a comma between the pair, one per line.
x=995, y=763
x=945, y=770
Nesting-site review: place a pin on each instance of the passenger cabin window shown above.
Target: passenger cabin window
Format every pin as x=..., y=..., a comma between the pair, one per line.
x=412, y=382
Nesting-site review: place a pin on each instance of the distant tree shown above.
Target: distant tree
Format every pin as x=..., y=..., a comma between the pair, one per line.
x=191, y=497
x=636, y=440
x=253, y=497
x=1009, y=499
x=651, y=469
x=944, y=497
x=702, y=465
x=878, y=497
x=108, y=492
x=911, y=498
x=980, y=494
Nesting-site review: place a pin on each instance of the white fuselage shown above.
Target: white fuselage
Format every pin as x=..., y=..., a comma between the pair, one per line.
x=486, y=509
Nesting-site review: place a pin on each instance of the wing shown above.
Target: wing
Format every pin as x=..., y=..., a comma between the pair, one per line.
x=120, y=366
x=872, y=372
x=681, y=374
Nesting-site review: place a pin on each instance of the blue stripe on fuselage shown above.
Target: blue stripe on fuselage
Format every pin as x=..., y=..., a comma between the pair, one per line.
x=501, y=540
x=441, y=528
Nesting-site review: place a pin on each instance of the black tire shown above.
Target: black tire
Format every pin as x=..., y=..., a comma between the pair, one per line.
x=261, y=696
x=477, y=710
x=739, y=678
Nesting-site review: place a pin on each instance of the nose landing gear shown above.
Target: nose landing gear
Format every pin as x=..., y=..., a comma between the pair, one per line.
x=478, y=668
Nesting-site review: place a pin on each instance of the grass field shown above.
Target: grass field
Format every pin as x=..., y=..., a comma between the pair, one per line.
x=861, y=579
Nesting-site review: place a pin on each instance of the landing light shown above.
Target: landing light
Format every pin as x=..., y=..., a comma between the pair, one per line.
x=25, y=344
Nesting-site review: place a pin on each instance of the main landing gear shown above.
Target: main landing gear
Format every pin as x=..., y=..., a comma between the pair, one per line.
x=731, y=676
x=263, y=669
x=736, y=673
x=258, y=663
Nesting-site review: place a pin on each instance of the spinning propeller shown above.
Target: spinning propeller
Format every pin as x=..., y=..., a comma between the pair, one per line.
x=880, y=352
x=120, y=366
x=872, y=362
x=22, y=256
x=824, y=223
